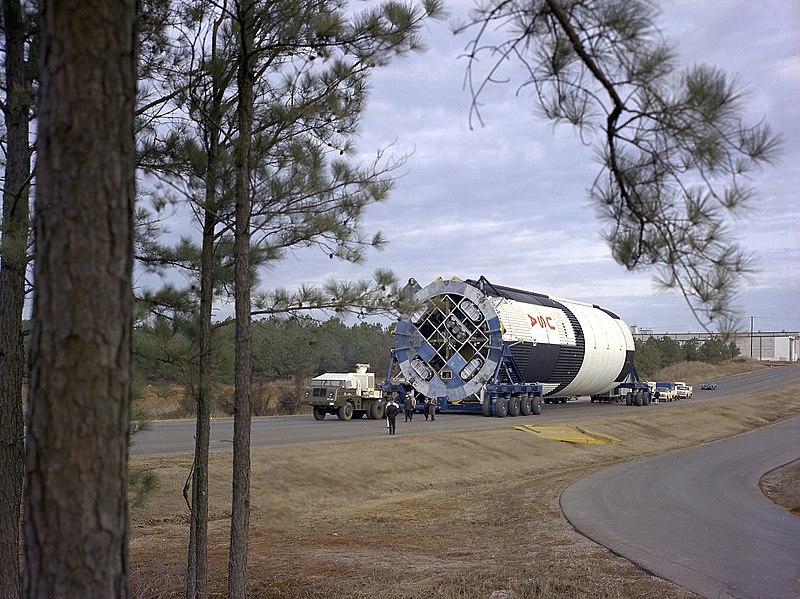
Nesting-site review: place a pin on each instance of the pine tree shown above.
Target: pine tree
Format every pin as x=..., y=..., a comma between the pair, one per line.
x=19, y=50
x=76, y=510
x=674, y=149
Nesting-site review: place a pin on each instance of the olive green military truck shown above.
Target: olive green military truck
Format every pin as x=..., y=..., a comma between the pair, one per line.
x=347, y=395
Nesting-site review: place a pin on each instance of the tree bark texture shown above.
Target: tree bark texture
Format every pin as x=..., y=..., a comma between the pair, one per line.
x=240, y=506
x=197, y=581
x=13, y=264
x=76, y=516
x=197, y=567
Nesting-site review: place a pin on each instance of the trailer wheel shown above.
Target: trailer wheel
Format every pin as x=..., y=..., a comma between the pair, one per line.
x=513, y=406
x=638, y=398
x=628, y=399
x=486, y=406
x=525, y=405
x=536, y=406
x=501, y=408
x=377, y=410
x=345, y=411
x=319, y=413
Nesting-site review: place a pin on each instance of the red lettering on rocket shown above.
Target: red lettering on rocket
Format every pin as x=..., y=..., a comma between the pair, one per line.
x=545, y=323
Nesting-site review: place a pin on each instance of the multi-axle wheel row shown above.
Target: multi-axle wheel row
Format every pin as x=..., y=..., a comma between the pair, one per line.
x=637, y=398
x=521, y=404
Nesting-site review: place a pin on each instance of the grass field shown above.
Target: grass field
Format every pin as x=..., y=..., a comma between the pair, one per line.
x=439, y=515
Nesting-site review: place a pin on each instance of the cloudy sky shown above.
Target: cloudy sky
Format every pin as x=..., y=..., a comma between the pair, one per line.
x=508, y=199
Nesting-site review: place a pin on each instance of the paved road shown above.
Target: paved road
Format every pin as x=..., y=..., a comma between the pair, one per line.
x=698, y=518
x=175, y=437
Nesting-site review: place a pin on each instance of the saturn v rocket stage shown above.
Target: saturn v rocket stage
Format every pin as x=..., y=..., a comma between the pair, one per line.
x=470, y=335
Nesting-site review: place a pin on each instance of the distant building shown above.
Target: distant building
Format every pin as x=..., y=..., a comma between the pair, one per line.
x=768, y=346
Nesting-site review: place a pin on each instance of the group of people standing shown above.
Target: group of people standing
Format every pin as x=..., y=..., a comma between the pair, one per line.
x=409, y=406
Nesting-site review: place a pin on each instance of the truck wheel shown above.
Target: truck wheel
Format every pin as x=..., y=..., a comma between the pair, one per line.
x=536, y=406
x=525, y=406
x=628, y=399
x=345, y=412
x=486, y=406
x=319, y=413
x=501, y=408
x=513, y=406
x=377, y=410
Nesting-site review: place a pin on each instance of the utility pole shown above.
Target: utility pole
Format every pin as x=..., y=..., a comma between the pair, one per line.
x=751, y=336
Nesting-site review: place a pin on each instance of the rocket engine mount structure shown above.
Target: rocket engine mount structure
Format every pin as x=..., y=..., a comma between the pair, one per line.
x=474, y=343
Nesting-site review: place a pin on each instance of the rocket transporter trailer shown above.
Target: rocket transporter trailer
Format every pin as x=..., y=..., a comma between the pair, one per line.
x=475, y=346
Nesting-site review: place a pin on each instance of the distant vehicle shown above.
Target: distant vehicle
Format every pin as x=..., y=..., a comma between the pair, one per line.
x=683, y=390
x=708, y=385
x=666, y=391
x=345, y=394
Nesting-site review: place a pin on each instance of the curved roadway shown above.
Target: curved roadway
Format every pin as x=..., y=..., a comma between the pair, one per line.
x=697, y=517
x=177, y=436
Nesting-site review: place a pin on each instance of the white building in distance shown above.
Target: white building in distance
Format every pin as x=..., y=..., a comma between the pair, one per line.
x=783, y=346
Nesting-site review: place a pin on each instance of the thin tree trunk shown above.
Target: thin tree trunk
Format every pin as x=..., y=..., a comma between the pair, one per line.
x=13, y=264
x=76, y=509
x=240, y=507
x=197, y=580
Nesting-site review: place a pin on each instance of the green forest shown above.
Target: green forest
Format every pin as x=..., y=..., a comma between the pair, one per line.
x=286, y=352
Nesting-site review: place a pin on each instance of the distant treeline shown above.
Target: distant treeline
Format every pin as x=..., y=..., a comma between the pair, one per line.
x=300, y=348
x=656, y=353
x=293, y=348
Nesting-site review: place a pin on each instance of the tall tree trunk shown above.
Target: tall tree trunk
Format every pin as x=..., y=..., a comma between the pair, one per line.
x=240, y=507
x=76, y=509
x=13, y=263
x=197, y=579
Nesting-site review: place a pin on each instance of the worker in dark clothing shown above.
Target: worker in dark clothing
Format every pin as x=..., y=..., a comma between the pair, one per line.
x=431, y=404
x=409, y=404
x=392, y=409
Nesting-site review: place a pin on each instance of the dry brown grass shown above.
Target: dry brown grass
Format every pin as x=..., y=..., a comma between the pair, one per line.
x=694, y=373
x=164, y=401
x=443, y=515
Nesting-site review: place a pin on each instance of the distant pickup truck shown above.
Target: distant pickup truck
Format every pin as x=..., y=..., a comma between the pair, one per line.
x=708, y=385
x=666, y=391
x=683, y=390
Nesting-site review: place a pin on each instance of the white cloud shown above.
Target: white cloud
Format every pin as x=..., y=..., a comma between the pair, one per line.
x=508, y=199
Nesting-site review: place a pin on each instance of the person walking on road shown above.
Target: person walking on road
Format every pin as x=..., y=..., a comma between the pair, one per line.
x=409, y=404
x=392, y=409
x=431, y=405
